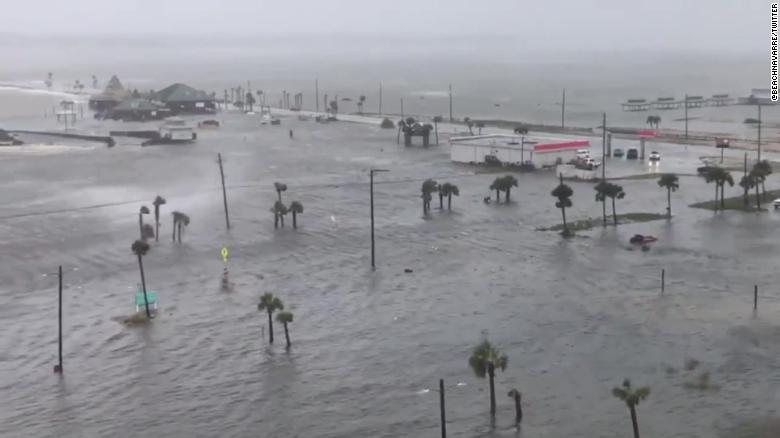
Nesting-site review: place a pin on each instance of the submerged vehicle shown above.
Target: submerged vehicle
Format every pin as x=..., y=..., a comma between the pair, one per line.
x=641, y=240
x=617, y=153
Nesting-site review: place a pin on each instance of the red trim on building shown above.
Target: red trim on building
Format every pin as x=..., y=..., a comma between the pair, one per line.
x=554, y=147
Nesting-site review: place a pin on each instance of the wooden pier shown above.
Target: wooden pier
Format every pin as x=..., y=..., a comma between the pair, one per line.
x=670, y=103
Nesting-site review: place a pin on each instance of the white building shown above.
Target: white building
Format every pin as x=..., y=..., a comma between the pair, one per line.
x=514, y=149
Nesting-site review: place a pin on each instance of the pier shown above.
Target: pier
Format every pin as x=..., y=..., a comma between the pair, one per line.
x=670, y=103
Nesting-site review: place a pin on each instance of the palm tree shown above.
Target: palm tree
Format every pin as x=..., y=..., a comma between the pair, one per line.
x=601, y=196
x=498, y=186
x=671, y=183
x=270, y=304
x=467, y=121
x=360, y=103
x=279, y=210
x=709, y=176
x=140, y=248
x=279, y=187
x=631, y=397
x=436, y=121
x=144, y=210
x=509, y=182
x=615, y=191
x=757, y=175
x=296, y=208
x=428, y=186
x=747, y=182
x=285, y=318
x=484, y=360
x=517, y=396
x=448, y=189
x=158, y=201
x=764, y=167
x=479, y=126
x=721, y=177
x=563, y=193
x=179, y=220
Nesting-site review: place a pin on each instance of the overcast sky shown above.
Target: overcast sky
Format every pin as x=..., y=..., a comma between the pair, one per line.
x=730, y=25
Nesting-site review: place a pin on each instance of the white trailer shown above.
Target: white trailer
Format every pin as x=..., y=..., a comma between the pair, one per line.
x=514, y=150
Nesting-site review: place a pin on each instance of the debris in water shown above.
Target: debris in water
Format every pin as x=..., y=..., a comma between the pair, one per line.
x=408, y=271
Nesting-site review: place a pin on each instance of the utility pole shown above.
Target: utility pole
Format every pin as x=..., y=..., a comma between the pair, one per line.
x=371, y=173
x=451, y=119
x=563, y=108
x=317, y=93
x=224, y=193
x=380, y=99
x=604, y=146
x=58, y=368
x=686, y=116
x=402, y=107
x=441, y=408
x=759, y=132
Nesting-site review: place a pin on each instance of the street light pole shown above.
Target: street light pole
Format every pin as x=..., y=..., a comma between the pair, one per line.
x=686, y=115
x=373, y=256
x=441, y=407
x=563, y=108
x=604, y=146
x=759, y=132
x=58, y=368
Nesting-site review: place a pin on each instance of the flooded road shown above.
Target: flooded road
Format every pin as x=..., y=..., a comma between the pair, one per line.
x=575, y=317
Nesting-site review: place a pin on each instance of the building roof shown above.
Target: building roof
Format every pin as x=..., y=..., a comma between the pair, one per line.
x=181, y=93
x=114, y=91
x=138, y=104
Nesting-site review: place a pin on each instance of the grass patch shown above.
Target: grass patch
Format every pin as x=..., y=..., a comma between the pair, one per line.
x=738, y=202
x=586, y=224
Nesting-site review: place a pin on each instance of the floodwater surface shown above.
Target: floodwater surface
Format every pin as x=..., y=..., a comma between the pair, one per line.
x=575, y=316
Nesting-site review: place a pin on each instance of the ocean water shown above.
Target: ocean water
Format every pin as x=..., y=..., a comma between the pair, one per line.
x=575, y=317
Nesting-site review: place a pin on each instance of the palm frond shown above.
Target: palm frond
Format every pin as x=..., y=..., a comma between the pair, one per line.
x=139, y=247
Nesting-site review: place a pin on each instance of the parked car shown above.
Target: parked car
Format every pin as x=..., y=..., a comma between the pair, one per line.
x=703, y=170
x=776, y=203
x=617, y=153
x=632, y=154
x=655, y=156
x=583, y=153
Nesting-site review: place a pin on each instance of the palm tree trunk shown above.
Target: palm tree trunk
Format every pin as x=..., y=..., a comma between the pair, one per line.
x=295, y=221
x=491, y=373
x=614, y=214
x=425, y=207
x=634, y=422
x=497, y=196
x=716, y=196
x=156, y=223
x=436, y=131
x=449, y=201
x=286, y=335
x=508, y=189
x=441, y=201
x=758, y=199
x=141, y=226
x=174, y=230
x=143, y=286
x=722, y=200
x=563, y=213
x=276, y=220
x=180, y=232
x=604, y=211
x=518, y=409
x=270, y=328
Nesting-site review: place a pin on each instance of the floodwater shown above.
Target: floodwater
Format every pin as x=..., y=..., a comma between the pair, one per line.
x=575, y=317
